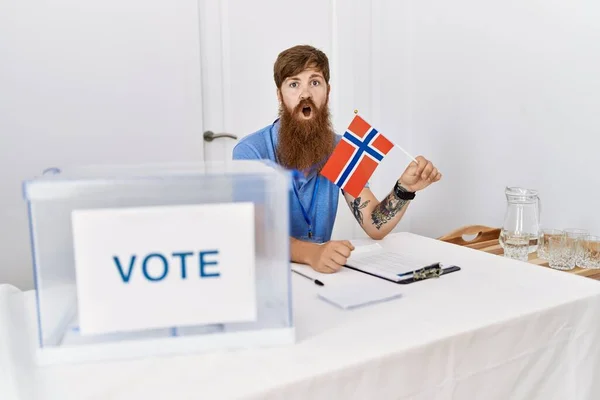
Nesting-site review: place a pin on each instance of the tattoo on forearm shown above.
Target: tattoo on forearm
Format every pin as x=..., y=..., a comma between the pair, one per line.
x=387, y=209
x=356, y=206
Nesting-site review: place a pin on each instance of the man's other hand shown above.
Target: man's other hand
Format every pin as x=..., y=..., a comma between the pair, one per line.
x=418, y=176
x=331, y=256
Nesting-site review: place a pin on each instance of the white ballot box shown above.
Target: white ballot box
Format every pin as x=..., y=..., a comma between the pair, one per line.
x=133, y=261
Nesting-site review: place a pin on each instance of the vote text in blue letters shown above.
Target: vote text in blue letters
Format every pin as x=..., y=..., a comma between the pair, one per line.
x=157, y=266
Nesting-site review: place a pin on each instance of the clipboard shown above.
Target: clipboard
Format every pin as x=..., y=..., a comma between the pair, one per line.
x=434, y=270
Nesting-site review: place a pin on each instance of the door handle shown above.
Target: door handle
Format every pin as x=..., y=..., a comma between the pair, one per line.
x=209, y=136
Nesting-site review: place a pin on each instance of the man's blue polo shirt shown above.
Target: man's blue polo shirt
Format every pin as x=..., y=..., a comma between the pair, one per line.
x=261, y=145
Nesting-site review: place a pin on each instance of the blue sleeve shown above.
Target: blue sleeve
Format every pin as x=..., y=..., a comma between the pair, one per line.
x=243, y=151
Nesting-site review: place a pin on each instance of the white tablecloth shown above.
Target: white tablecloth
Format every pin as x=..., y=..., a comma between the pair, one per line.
x=498, y=329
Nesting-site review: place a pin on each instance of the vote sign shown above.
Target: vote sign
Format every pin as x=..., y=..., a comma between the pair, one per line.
x=164, y=266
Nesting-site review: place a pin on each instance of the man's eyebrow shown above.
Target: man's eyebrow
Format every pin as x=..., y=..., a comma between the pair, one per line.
x=295, y=78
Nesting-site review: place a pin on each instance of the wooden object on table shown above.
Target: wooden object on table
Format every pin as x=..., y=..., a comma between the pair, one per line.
x=487, y=239
x=484, y=236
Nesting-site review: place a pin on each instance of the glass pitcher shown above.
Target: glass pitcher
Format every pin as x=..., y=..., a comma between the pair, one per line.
x=522, y=217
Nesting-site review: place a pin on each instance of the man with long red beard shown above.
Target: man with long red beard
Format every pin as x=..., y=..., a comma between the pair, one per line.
x=302, y=139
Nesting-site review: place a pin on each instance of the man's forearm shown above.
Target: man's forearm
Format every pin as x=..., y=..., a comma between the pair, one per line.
x=301, y=252
x=379, y=220
x=386, y=215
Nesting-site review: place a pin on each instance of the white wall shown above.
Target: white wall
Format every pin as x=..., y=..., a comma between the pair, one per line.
x=501, y=93
x=391, y=98
x=367, y=77
x=78, y=85
x=353, y=87
x=496, y=93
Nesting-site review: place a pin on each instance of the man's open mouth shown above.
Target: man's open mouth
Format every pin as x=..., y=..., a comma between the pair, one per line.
x=306, y=111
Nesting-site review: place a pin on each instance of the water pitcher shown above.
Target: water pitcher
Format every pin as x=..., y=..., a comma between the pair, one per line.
x=522, y=217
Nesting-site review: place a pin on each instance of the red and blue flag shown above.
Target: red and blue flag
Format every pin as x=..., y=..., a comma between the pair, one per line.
x=356, y=156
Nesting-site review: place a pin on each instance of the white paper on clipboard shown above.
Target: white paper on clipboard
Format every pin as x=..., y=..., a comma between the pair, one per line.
x=376, y=260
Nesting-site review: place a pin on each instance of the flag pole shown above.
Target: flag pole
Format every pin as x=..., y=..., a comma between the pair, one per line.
x=407, y=153
x=400, y=147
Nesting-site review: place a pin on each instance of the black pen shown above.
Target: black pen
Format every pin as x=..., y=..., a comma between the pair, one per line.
x=316, y=281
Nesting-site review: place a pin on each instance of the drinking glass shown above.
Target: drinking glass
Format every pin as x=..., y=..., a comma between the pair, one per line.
x=544, y=239
x=561, y=252
x=576, y=236
x=591, y=252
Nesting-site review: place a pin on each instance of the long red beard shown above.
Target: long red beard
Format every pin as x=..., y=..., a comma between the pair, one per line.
x=305, y=143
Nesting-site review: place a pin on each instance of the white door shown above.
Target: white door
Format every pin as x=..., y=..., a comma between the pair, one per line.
x=88, y=82
x=240, y=42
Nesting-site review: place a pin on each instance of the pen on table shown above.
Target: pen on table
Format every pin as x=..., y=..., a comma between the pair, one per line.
x=316, y=281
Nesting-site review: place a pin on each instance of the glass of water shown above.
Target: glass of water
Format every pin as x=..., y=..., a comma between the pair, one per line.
x=544, y=240
x=591, y=252
x=577, y=236
x=561, y=252
x=516, y=245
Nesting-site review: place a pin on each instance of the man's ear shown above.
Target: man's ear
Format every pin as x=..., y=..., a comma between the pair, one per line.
x=328, y=89
x=279, y=95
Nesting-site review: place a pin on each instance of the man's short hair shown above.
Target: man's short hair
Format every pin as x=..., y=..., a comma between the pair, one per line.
x=296, y=59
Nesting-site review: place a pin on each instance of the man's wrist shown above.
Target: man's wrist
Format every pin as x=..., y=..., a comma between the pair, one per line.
x=403, y=192
x=303, y=252
x=404, y=186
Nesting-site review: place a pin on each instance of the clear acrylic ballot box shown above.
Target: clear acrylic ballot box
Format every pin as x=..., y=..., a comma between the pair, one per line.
x=134, y=261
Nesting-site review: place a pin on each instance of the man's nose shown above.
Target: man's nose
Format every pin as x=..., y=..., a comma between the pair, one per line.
x=305, y=94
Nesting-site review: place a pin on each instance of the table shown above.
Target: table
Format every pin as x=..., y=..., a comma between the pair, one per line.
x=493, y=246
x=497, y=329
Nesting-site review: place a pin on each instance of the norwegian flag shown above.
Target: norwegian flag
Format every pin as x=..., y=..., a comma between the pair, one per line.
x=356, y=156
